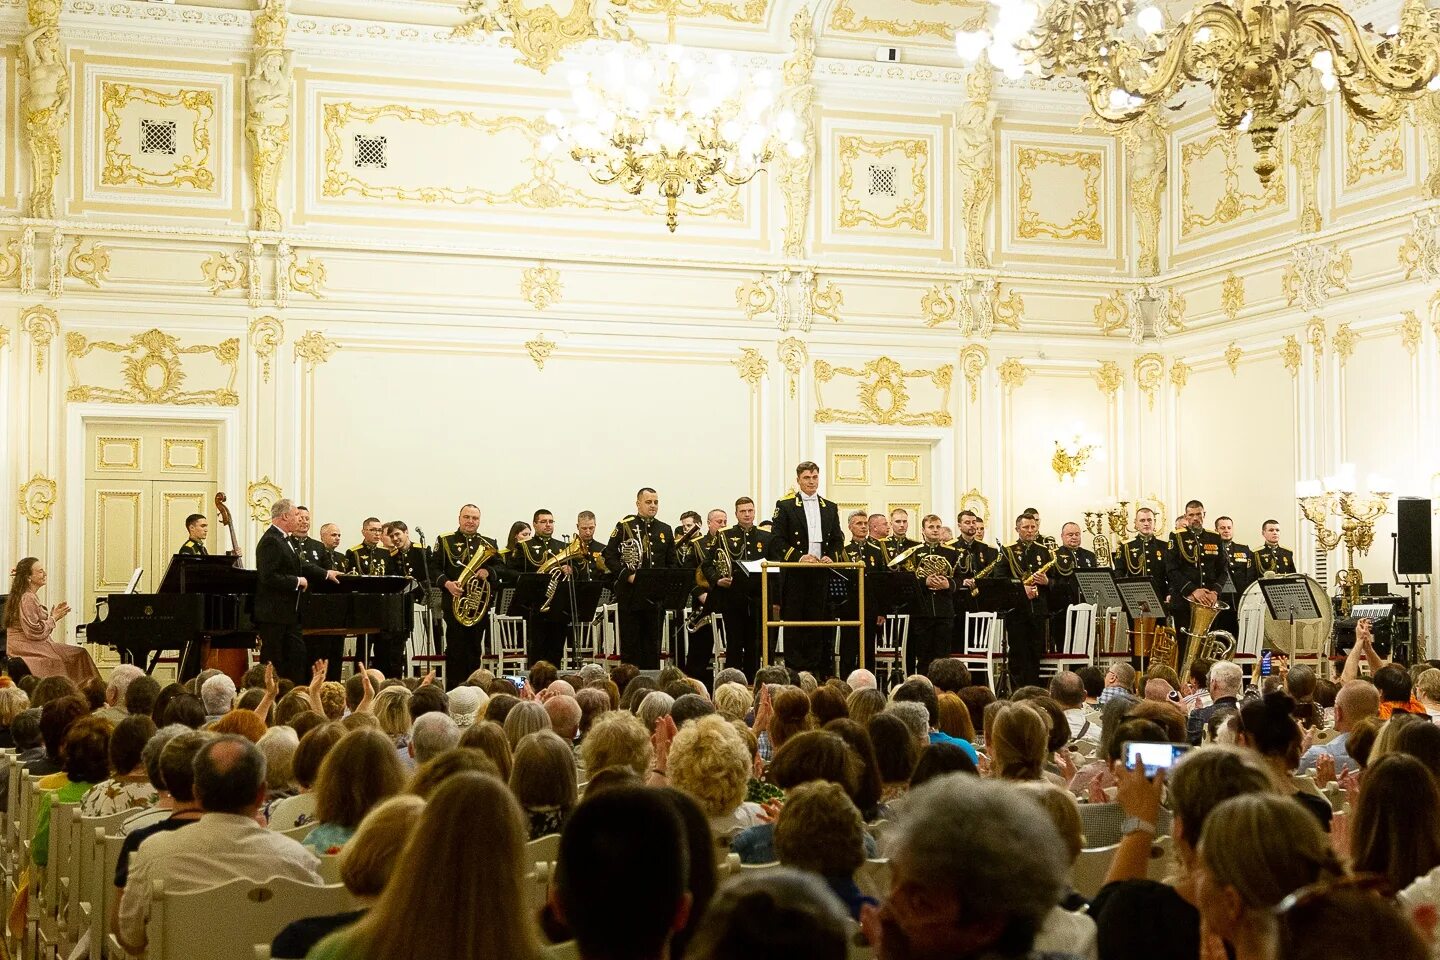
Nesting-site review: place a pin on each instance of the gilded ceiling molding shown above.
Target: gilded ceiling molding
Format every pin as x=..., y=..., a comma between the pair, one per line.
x=43, y=326
x=9, y=260
x=266, y=334
x=225, y=271
x=1149, y=371
x=1314, y=273
x=1179, y=375
x=308, y=277
x=974, y=358
x=1146, y=144
x=975, y=147
x=752, y=366
x=844, y=18
x=1233, y=353
x=909, y=213
x=740, y=11
x=1410, y=332
x=1233, y=203
x=1013, y=373
x=1307, y=134
x=152, y=370
x=882, y=394
x=1085, y=225
x=1109, y=378
x=1232, y=295
x=795, y=173
x=37, y=500
x=92, y=266
x=792, y=355
x=540, y=33
x=539, y=347
x=937, y=306
x=191, y=168
x=268, y=103
x=540, y=286
x=1315, y=336
x=1427, y=118
x=1344, y=342
x=1420, y=252
x=1290, y=354
x=314, y=349
x=260, y=495
x=45, y=110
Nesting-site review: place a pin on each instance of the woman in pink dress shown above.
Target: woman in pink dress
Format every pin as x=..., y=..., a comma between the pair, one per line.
x=28, y=626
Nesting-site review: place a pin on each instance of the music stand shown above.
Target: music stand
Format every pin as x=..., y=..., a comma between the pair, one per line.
x=1289, y=598
x=1099, y=587
x=529, y=594
x=668, y=587
x=1138, y=596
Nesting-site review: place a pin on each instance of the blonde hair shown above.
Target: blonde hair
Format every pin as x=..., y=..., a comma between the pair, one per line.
x=1266, y=846
x=1018, y=742
x=733, y=700
x=527, y=716
x=544, y=772
x=368, y=859
x=472, y=834
x=14, y=701
x=1062, y=809
x=864, y=704
x=391, y=708
x=617, y=739
x=710, y=762
x=332, y=700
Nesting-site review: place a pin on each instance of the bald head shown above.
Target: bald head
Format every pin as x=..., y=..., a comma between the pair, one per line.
x=1157, y=690
x=230, y=776
x=1356, y=701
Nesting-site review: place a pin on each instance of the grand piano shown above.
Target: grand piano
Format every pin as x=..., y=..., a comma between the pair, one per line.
x=207, y=603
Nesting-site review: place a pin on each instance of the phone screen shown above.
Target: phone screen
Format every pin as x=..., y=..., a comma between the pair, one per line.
x=1266, y=659
x=1154, y=757
x=518, y=681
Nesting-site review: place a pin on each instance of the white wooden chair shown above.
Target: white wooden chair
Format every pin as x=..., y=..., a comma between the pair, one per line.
x=545, y=849
x=610, y=630
x=981, y=646
x=105, y=849
x=1249, y=641
x=891, y=646
x=507, y=645
x=329, y=868
x=538, y=882
x=1079, y=648
x=873, y=878
x=231, y=918
x=299, y=833
x=1088, y=875
x=81, y=900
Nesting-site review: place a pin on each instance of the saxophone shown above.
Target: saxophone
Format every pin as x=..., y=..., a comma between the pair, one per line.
x=475, y=594
x=985, y=572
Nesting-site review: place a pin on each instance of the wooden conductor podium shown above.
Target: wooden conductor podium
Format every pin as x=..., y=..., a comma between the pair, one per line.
x=766, y=623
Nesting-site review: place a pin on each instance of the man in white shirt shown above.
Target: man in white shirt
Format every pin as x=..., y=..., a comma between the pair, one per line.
x=806, y=529
x=226, y=844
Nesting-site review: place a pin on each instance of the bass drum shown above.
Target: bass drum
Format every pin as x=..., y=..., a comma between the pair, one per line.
x=1260, y=631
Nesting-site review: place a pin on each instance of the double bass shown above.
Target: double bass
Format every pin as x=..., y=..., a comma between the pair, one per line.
x=232, y=661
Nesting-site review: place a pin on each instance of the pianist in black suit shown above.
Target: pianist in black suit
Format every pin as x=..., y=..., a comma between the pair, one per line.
x=283, y=574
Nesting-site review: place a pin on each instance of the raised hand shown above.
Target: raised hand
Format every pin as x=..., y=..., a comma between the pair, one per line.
x=429, y=677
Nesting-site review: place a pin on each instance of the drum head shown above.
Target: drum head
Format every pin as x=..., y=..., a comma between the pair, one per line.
x=1311, y=636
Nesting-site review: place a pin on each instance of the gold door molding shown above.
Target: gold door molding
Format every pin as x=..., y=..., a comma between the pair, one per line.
x=151, y=369
x=879, y=475
x=882, y=394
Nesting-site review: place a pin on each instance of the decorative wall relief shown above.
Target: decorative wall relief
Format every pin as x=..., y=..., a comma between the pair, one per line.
x=268, y=102
x=1410, y=332
x=1149, y=371
x=540, y=286
x=882, y=394
x=307, y=277
x=10, y=260
x=975, y=156
x=1110, y=378
x=795, y=173
x=1313, y=273
x=904, y=202
x=1179, y=375
x=1036, y=218
x=1344, y=342
x=1420, y=252
x=1315, y=336
x=45, y=107
x=1233, y=353
x=88, y=266
x=1013, y=373
x=539, y=347
x=1142, y=311
x=792, y=355
x=187, y=128
x=259, y=496
x=266, y=333
x=1307, y=134
x=151, y=368
x=751, y=366
x=1290, y=354
x=43, y=326
x=937, y=305
x=794, y=297
x=313, y=348
x=541, y=33
x=225, y=271
x=1219, y=160
x=1147, y=147
x=1427, y=118
x=974, y=358
x=37, y=500
x=1232, y=295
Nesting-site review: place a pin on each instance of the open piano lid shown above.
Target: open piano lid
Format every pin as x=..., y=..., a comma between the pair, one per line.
x=221, y=573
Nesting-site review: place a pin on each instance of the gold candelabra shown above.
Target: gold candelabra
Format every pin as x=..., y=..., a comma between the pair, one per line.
x=1115, y=519
x=1356, y=513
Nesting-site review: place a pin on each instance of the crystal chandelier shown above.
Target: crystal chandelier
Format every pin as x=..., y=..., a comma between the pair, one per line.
x=1264, y=60
x=674, y=120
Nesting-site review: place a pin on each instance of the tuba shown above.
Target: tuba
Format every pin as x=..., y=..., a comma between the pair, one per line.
x=1101, y=545
x=555, y=566
x=475, y=594
x=1201, y=637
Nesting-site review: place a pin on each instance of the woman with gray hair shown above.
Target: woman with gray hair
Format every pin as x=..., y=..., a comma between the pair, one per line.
x=976, y=866
x=13, y=701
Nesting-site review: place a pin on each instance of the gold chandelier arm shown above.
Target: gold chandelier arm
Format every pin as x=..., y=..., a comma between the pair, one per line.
x=1359, y=69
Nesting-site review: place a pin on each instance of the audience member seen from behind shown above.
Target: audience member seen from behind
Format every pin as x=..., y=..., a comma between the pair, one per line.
x=543, y=781
x=820, y=831
x=360, y=771
x=781, y=915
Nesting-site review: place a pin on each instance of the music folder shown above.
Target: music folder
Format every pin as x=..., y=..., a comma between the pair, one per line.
x=669, y=587
x=1000, y=595
x=587, y=599
x=530, y=592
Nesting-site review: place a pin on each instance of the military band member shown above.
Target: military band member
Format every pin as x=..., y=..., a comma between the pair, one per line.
x=899, y=539
x=737, y=597
x=1194, y=566
x=1273, y=558
x=590, y=564
x=369, y=555
x=862, y=549
x=197, y=528
x=546, y=633
x=640, y=542
x=1240, y=571
x=1144, y=556
x=1025, y=561
x=700, y=641
x=310, y=549
x=453, y=552
x=932, y=607
x=806, y=529
x=1064, y=588
x=405, y=559
x=687, y=540
x=333, y=558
